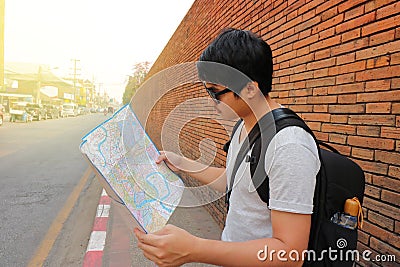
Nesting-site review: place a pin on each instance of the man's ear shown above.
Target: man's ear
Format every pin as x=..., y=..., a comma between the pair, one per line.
x=252, y=90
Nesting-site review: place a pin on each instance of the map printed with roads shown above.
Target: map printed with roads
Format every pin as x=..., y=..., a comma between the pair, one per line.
x=123, y=154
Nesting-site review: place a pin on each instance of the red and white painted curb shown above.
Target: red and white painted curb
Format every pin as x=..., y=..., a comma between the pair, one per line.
x=95, y=248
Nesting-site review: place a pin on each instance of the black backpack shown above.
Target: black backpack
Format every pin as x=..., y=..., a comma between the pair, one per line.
x=338, y=179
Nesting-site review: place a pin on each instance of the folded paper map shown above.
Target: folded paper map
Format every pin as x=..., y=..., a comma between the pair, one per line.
x=123, y=156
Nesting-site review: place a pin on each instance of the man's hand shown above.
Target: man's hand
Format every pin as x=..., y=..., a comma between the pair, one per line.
x=171, y=246
x=172, y=160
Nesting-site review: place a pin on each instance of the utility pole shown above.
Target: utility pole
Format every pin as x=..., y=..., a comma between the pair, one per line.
x=2, y=13
x=39, y=84
x=75, y=74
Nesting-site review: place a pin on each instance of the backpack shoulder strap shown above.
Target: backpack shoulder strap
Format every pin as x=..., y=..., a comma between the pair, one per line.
x=235, y=127
x=283, y=118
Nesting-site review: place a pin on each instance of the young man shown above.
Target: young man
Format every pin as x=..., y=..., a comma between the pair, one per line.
x=255, y=234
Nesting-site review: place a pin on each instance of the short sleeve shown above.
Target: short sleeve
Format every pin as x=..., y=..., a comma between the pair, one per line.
x=292, y=164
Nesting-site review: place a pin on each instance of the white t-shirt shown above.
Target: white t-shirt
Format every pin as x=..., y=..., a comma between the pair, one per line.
x=291, y=163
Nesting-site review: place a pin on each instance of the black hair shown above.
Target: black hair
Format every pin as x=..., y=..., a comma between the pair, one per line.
x=244, y=51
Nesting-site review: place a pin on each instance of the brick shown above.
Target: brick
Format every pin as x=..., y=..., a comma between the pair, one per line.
x=386, y=182
x=309, y=6
x=396, y=108
x=321, y=99
x=350, y=4
x=301, y=108
x=327, y=5
x=301, y=76
x=347, y=58
x=339, y=118
x=355, y=23
x=372, y=191
x=378, y=62
x=320, y=91
x=346, y=78
x=348, y=109
x=395, y=58
x=371, y=142
x=388, y=11
x=368, y=178
x=388, y=157
x=320, y=82
x=369, y=131
x=350, y=68
x=300, y=92
x=330, y=23
x=395, y=84
x=307, y=23
x=390, y=132
x=343, y=149
x=306, y=41
x=379, y=108
x=330, y=13
x=320, y=73
x=382, y=208
x=346, y=88
x=378, y=50
x=351, y=46
x=363, y=237
x=305, y=52
x=377, y=85
x=372, y=120
x=326, y=43
x=382, y=37
x=337, y=138
x=350, y=35
x=320, y=108
x=321, y=64
x=394, y=172
x=372, y=167
x=326, y=33
x=384, y=96
x=353, y=13
x=391, y=197
x=339, y=128
x=321, y=117
x=387, y=249
x=379, y=73
x=304, y=34
x=380, y=25
x=347, y=99
x=362, y=153
x=373, y=5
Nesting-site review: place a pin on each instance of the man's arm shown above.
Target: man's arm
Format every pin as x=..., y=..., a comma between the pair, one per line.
x=213, y=176
x=173, y=246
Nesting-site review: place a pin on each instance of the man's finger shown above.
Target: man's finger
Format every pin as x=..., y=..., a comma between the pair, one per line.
x=148, y=239
x=161, y=158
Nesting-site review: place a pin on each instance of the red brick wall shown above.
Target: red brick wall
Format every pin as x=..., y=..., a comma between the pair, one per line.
x=337, y=63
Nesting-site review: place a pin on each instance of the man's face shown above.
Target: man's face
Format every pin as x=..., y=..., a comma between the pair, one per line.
x=223, y=100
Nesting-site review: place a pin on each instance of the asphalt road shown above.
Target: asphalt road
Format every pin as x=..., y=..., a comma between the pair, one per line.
x=40, y=165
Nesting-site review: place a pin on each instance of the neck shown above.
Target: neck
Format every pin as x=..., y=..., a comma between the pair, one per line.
x=262, y=107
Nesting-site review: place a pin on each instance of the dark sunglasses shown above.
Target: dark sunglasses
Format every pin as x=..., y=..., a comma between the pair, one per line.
x=215, y=95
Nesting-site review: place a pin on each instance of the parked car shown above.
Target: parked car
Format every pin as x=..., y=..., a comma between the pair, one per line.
x=37, y=110
x=1, y=114
x=52, y=111
x=82, y=110
x=69, y=109
x=19, y=112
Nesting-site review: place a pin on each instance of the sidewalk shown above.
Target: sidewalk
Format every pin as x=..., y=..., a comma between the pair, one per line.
x=120, y=249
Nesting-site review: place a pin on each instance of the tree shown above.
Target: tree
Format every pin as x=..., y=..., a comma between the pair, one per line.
x=140, y=71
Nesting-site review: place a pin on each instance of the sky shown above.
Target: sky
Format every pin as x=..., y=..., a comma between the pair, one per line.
x=107, y=37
